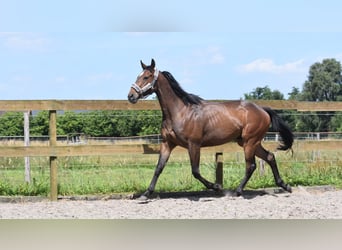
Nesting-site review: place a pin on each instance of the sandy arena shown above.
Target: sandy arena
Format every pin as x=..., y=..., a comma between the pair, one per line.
x=303, y=203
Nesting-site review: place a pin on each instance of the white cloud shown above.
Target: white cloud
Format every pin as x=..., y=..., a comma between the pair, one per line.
x=339, y=57
x=197, y=59
x=269, y=66
x=209, y=55
x=24, y=41
x=21, y=78
x=215, y=55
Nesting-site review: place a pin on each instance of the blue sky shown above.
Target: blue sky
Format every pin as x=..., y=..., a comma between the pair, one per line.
x=79, y=50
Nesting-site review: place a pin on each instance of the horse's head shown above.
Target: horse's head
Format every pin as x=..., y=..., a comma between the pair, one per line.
x=145, y=83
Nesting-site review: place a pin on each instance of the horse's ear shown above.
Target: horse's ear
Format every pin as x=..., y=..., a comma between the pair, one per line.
x=153, y=63
x=143, y=65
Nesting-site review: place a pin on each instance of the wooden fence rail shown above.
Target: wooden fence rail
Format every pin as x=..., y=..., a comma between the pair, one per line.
x=23, y=105
x=53, y=150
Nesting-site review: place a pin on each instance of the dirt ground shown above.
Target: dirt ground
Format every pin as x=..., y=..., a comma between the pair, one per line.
x=302, y=203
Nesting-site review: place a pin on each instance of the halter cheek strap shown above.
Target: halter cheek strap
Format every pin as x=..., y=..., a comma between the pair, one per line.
x=148, y=86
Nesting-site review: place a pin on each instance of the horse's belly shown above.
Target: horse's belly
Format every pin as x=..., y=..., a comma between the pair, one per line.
x=215, y=140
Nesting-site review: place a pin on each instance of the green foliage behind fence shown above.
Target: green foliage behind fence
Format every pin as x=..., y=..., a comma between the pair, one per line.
x=92, y=123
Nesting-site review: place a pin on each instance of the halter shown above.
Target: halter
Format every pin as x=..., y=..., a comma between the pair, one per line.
x=148, y=86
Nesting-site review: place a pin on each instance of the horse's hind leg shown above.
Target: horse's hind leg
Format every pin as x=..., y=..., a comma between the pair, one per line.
x=194, y=153
x=270, y=159
x=250, y=167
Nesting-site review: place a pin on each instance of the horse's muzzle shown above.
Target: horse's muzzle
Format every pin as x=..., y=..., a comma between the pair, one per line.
x=132, y=98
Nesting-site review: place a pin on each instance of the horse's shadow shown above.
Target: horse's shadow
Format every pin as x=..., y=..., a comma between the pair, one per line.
x=207, y=194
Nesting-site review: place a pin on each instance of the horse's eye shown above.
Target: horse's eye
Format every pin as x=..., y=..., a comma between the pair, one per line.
x=145, y=77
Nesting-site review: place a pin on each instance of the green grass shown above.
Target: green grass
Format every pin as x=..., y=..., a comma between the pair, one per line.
x=123, y=174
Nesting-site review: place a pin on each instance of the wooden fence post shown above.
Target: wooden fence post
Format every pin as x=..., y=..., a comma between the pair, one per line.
x=219, y=168
x=53, y=159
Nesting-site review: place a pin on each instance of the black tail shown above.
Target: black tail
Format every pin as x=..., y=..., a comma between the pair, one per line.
x=280, y=126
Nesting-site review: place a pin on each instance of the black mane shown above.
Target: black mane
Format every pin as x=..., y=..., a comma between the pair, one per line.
x=187, y=98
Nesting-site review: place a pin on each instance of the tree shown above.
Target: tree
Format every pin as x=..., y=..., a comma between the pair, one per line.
x=324, y=84
x=336, y=122
x=12, y=124
x=70, y=123
x=97, y=123
x=264, y=93
x=150, y=121
x=294, y=94
x=39, y=124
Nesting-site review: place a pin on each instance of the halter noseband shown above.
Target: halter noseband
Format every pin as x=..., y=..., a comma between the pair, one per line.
x=148, y=86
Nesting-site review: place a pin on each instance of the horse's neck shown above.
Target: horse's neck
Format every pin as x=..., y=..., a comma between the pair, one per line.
x=169, y=102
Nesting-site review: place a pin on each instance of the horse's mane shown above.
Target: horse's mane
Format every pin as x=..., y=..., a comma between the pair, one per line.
x=187, y=98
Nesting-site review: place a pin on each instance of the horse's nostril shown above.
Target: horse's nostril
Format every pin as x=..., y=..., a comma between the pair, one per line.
x=131, y=98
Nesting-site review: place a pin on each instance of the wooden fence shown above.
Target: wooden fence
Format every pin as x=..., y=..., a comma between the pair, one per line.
x=53, y=150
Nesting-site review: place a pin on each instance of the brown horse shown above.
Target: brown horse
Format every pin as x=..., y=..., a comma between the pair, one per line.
x=192, y=123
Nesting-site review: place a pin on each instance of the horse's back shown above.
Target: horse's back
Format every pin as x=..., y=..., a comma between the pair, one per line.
x=230, y=120
x=246, y=107
x=239, y=108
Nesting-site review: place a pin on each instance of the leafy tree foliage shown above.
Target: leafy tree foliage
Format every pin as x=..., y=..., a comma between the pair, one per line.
x=149, y=122
x=69, y=123
x=95, y=123
x=121, y=123
x=336, y=122
x=39, y=124
x=324, y=84
x=12, y=124
x=264, y=93
x=295, y=94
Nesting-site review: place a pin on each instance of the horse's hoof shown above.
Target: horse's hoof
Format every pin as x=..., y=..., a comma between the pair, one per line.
x=288, y=188
x=238, y=193
x=142, y=198
x=217, y=187
x=145, y=196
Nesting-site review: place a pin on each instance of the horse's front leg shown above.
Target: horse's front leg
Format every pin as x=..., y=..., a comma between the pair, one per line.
x=194, y=153
x=165, y=151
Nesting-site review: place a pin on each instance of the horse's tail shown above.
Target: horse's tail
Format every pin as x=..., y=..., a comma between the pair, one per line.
x=280, y=126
